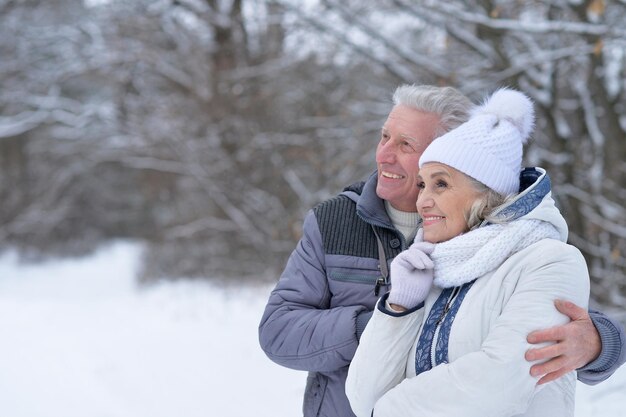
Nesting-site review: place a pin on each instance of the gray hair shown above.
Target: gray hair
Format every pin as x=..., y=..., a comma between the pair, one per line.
x=449, y=103
x=486, y=205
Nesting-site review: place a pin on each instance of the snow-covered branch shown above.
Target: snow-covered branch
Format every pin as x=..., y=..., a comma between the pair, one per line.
x=21, y=123
x=541, y=27
x=520, y=65
x=343, y=38
x=211, y=224
x=452, y=28
x=420, y=61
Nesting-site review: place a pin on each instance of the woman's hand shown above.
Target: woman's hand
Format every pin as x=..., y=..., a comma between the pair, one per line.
x=411, y=275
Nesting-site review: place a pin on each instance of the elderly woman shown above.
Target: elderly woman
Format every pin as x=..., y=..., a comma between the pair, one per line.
x=449, y=338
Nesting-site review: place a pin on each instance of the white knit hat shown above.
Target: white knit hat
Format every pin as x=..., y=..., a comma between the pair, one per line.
x=488, y=147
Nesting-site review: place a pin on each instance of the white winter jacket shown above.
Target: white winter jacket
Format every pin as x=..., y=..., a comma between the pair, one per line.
x=478, y=366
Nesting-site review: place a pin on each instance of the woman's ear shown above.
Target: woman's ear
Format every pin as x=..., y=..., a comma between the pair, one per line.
x=476, y=213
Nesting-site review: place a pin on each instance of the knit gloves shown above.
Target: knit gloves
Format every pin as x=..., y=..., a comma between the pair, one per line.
x=411, y=274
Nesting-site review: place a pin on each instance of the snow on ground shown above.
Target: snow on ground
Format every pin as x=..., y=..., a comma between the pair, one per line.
x=79, y=338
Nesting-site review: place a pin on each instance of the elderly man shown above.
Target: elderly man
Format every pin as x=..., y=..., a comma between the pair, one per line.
x=325, y=296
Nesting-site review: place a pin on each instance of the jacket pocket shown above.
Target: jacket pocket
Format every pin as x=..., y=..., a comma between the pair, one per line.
x=364, y=277
x=352, y=281
x=314, y=394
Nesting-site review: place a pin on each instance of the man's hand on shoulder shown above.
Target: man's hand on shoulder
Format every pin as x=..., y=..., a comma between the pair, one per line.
x=574, y=344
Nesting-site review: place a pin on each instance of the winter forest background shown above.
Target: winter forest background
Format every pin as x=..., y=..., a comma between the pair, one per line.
x=207, y=128
x=148, y=143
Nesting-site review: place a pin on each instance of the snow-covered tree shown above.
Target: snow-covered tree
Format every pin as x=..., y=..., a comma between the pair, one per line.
x=569, y=56
x=209, y=127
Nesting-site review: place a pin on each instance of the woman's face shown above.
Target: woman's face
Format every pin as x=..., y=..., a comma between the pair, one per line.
x=446, y=196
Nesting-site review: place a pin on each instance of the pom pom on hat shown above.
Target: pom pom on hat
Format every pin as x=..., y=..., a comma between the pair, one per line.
x=489, y=146
x=512, y=106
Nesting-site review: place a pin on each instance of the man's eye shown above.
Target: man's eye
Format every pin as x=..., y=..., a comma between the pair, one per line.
x=408, y=147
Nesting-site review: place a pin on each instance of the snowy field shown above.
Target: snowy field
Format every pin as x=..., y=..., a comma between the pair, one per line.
x=79, y=339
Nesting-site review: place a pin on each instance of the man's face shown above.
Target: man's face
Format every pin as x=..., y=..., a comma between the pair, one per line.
x=405, y=135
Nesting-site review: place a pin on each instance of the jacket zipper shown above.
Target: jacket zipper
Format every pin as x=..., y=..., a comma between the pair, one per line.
x=433, y=343
x=379, y=282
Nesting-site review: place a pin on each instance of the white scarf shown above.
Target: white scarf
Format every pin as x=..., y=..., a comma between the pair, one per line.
x=473, y=254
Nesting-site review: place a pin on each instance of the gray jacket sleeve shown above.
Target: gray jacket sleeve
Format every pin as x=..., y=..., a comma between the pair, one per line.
x=612, y=355
x=299, y=328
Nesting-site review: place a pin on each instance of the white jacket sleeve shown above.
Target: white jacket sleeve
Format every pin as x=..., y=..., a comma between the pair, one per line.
x=495, y=381
x=379, y=363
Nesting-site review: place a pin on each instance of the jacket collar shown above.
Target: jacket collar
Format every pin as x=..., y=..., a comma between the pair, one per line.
x=369, y=206
x=535, y=184
x=533, y=202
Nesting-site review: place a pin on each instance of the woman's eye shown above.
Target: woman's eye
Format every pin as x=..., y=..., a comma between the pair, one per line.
x=442, y=184
x=421, y=185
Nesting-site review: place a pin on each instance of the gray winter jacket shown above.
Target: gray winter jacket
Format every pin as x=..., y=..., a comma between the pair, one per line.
x=326, y=294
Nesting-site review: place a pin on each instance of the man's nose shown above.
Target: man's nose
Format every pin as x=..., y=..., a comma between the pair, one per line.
x=385, y=153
